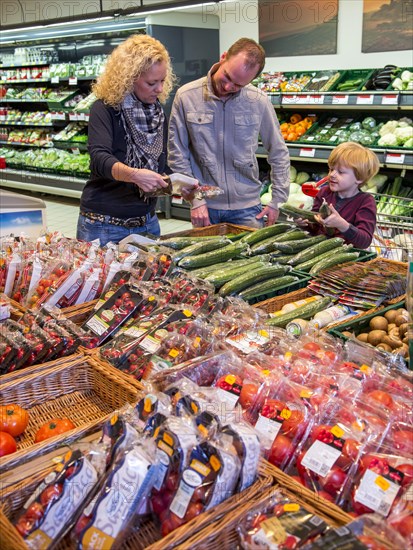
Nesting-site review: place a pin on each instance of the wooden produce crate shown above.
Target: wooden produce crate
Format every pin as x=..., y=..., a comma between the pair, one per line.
x=210, y=230
x=146, y=535
x=82, y=389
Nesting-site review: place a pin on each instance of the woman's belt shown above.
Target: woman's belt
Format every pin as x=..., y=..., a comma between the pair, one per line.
x=139, y=221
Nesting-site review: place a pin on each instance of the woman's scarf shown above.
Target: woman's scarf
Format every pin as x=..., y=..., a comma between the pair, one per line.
x=144, y=127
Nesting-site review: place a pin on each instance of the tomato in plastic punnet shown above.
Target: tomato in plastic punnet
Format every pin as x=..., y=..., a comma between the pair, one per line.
x=7, y=444
x=281, y=451
x=294, y=425
x=194, y=509
x=50, y=493
x=13, y=419
x=53, y=427
x=403, y=441
x=247, y=396
x=35, y=511
x=404, y=526
x=381, y=397
x=333, y=481
x=407, y=471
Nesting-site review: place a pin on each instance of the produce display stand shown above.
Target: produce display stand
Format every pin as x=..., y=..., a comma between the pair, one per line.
x=210, y=230
x=82, y=389
x=147, y=535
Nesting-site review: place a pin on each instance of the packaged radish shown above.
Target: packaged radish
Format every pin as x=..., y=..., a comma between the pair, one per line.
x=382, y=479
x=174, y=442
x=244, y=439
x=114, y=312
x=51, y=510
x=122, y=499
x=210, y=477
x=279, y=522
x=366, y=532
x=329, y=458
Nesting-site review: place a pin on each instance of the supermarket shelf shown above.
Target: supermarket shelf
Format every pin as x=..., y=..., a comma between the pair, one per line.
x=397, y=158
x=390, y=99
x=29, y=64
x=17, y=123
x=19, y=144
x=4, y=101
x=180, y=209
x=42, y=183
x=25, y=81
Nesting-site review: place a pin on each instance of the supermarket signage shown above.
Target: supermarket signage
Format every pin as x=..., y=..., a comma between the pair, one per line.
x=389, y=99
x=73, y=81
x=340, y=99
x=316, y=99
x=394, y=158
x=54, y=80
x=295, y=100
x=365, y=99
x=307, y=152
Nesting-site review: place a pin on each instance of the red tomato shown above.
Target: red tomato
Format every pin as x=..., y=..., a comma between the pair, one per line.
x=294, y=425
x=172, y=481
x=175, y=521
x=382, y=397
x=281, y=451
x=157, y=505
x=199, y=494
x=166, y=527
x=325, y=496
x=404, y=526
x=194, y=509
x=13, y=419
x=248, y=393
x=25, y=525
x=50, y=493
x=349, y=454
x=333, y=481
x=407, y=470
x=81, y=524
x=35, y=511
x=312, y=346
x=403, y=441
x=53, y=427
x=7, y=444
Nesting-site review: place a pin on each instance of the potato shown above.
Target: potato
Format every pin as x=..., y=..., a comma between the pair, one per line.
x=403, y=328
x=391, y=315
x=390, y=326
x=401, y=319
x=376, y=336
x=363, y=337
x=378, y=323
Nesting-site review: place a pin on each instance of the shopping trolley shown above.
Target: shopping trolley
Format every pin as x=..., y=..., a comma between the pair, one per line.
x=393, y=238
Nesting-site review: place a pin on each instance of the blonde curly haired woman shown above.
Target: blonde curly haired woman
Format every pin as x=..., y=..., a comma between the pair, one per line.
x=127, y=142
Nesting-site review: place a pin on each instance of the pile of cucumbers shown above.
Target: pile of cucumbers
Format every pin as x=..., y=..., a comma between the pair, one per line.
x=257, y=263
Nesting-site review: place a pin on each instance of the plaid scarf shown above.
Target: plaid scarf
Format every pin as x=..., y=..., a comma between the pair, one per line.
x=144, y=125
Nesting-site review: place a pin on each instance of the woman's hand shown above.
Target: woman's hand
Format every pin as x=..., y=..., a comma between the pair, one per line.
x=148, y=180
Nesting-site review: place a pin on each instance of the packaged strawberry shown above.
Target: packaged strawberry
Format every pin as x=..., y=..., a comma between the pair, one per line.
x=329, y=457
x=174, y=442
x=210, y=477
x=369, y=532
x=107, y=520
x=279, y=522
x=52, y=508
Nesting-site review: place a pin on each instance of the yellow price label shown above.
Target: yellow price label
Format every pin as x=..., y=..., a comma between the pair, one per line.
x=151, y=298
x=200, y=468
x=337, y=431
x=366, y=369
x=194, y=407
x=305, y=394
x=147, y=405
x=168, y=439
x=285, y=413
x=291, y=507
x=265, y=372
x=230, y=379
x=288, y=355
x=163, y=258
x=187, y=313
x=114, y=419
x=215, y=463
x=382, y=483
x=196, y=342
x=174, y=353
x=263, y=333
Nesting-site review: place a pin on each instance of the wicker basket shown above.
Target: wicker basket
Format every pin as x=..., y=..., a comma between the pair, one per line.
x=78, y=314
x=147, y=536
x=218, y=229
x=275, y=304
x=81, y=389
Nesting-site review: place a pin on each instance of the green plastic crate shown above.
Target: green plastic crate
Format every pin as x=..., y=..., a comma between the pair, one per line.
x=362, y=74
x=303, y=279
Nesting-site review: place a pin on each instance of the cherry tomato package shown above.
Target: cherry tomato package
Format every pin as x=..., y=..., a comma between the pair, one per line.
x=54, y=273
x=83, y=337
x=210, y=477
x=38, y=341
x=51, y=509
x=330, y=455
x=151, y=411
x=122, y=498
x=16, y=350
x=113, y=313
x=278, y=523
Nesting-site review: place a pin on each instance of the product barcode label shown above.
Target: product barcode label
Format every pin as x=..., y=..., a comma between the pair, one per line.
x=320, y=458
x=268, y=428
x=180, y=503
x=376, y=492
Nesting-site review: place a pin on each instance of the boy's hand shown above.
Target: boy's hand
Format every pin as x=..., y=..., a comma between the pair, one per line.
x=334, y=220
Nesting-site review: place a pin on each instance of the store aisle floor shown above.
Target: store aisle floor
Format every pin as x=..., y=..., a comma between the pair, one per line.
x=62, y=214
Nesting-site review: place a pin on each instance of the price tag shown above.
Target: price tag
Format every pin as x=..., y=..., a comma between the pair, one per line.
x=73, y=81
x=389, y=99
x=315, y=99
x=177, y=200
x=364, y=99
x=86, y=117
x=75, y=150
x=295, y=99
x=81, y=116
x=340, y=99
x=394, y=158
x=307, y=152
x=54, y=80
x=320, y=458
x=376, y=492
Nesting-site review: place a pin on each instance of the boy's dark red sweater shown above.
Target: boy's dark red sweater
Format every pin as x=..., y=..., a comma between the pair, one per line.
x=360, y=211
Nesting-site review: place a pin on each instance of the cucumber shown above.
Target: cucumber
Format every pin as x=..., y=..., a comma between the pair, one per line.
x=316, y=250
x=232, y=237
x=265, y=233
x=266, y=245
x=307, y=311
x=213, y=257
x=324, y=212
x=281, y=258
x=294, y=212
x=332, y=260
x=265, y=287
x=177, y=243
x=252, y=276
x=202, y=272
x=219, y=277
x=292, y=247
x=305, y=266
x=200, y=248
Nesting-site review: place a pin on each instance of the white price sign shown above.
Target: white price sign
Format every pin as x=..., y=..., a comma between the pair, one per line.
x=340, y=99
x=73, y=81
x=315, y=99
x=54, y=80
x=394, y=158
x=365, y=99
x=307, y=152
x=389, y=99
x=295, y=100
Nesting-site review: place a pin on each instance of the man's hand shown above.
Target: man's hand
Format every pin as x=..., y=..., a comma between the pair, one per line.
x=188, y=193
x=271, y=213
x=199, y=216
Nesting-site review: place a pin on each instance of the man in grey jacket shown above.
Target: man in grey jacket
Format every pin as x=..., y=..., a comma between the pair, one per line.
x=214, y=128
